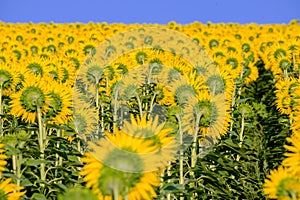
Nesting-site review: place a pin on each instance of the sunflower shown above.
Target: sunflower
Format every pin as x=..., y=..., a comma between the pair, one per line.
x=84, y=118
x=233, y=60
x=280, y=184
x=154, y=131
x=292, y=157
x=250, y=72
x=211, y=114
x=196, y=81
x=10, y=191
x=116, y=167
x=164, y=95
x=89, y=77
x=75, y=59
x=273, y=54
x=2, y=159
x=66, y=72
x=30, y=98
x=181, y=90
x=7, y=189
x=8, y=78
x=285, y=100
x=60, y=102
x=36, y=65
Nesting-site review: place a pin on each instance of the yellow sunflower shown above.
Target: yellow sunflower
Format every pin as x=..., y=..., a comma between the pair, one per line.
x=36, y=65
x=208, y=115
x=196, y=81
x=282, y=66
x=285, y=100
x=2, y=159
x=30, y=98
x=60, y=103
x=250, y=73
x=282, y=185
x=164, y=96
x=8, y=78
x=116, y=167
x=84, y=119
x=234, y=60
x=153, y=130
x=10, y=191
x=292, y=160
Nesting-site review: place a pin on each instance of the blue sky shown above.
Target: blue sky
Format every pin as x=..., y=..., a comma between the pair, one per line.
x=150, y=11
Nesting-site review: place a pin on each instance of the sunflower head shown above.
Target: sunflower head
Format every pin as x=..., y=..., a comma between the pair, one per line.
x=94, y=74
x=174, y=75
x=183, y=93
x=55, y=103
x=124, y=171
x=31, y=98
x=246, y=47
x=216, y=84
x=233, y=62
x=213, y=43
x=285, y=64
x=2, y=159
x=141, y=57
x=279, y=52
x=5, y=78
x=155, y=66
x=208, y=112
x=36, y=68
x=288, y=188
x=9, y=191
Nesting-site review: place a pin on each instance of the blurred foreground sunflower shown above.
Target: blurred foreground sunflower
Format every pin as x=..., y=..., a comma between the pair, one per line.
x=282, y=185
x=117, y=167
x=10, y=191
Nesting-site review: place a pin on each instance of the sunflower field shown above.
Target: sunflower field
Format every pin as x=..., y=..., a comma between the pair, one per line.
x=148, y=111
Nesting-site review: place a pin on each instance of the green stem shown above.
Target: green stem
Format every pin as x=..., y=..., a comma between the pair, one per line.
x=19, y=171
x=42, y=138
x=140, y=105
x=169, y=181
x=195, y=139
x=79, y=147
x=181, y=154
x=116, y=192
x=241, y=136
x=58, y=134
x=126, y=194
x=152, y=103
x=232, y=107
x=181, y=175
x=102, y=117
x=286, y=75
x=97, y=109
x=14, y=163
x=115, y=116
x=194, y=156
x=294, y=196
x=294, y=61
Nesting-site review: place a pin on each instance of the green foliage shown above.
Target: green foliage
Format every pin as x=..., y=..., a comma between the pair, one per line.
x=237, y=166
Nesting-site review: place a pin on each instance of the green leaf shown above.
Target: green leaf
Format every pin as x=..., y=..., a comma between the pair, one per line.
x=35, y=162
x=26, y=182
x=38, y=196
x=173, y=187
x=12, y=149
